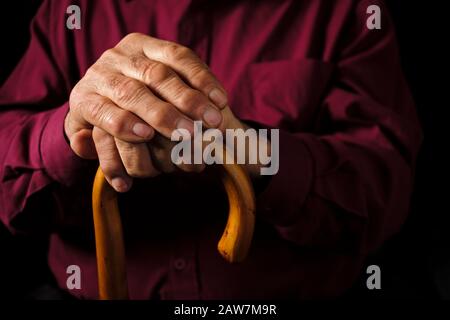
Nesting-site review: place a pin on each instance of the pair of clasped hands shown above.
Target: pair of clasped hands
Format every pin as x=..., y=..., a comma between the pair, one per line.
x=125, y=108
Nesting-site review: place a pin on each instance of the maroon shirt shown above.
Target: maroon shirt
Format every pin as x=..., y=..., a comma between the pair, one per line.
x=348, y=141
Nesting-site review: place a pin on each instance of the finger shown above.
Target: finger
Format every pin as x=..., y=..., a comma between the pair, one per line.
x=167, y=84
x=99, y=111
x=184, y=61
x=161, y=151
x=82, y=144
x=110, y=161
x=134, y=96
x=136, y=159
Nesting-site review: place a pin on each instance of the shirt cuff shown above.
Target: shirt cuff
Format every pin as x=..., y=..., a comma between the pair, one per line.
x=282, y=199
x=60, y=162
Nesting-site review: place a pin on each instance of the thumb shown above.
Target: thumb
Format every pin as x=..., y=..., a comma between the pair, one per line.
x=82, y=144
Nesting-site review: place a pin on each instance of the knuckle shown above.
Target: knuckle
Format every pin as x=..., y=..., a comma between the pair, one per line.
x=127, y=90
x=176, y=51
x=116, y=126
x=96, y=109
x=109, y=54
x=190, y=99
x=113, y=81
x=201, y=77
x=74, y=98
x=93, y=72
x=115, y=123
x=131, y=161
x=131, y=37
x=157, y=72
x=133, y=172
x=140, y=64
x=111, y=167
x=98, y=134
x=101, y=66
x=160, y=115
x=111, y=164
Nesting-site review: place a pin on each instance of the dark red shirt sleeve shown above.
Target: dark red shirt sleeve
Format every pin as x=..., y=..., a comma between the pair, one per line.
x=347, y=183
x=34, y=152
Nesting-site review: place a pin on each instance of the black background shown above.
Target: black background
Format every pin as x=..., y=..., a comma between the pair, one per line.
x=414, y=264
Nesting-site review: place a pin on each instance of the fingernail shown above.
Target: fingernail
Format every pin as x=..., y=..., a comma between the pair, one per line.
x=212, y=117
x=119, y=184
x=218, y=97
x=185, y=124
x=142, y=130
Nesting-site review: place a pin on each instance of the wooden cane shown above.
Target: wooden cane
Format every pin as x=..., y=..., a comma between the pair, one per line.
x=111, y=266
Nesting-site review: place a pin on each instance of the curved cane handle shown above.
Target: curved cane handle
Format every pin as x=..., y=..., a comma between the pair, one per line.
x=233, y=245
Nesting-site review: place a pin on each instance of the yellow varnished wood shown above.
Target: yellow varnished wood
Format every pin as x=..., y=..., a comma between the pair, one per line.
x=111, y=264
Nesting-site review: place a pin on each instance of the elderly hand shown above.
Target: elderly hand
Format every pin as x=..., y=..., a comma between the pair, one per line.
x=140, y=86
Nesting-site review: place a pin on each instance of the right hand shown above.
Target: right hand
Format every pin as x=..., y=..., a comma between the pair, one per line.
x=141, y=85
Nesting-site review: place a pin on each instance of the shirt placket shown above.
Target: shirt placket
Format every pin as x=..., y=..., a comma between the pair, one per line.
x=183, y=269
x=183, y=276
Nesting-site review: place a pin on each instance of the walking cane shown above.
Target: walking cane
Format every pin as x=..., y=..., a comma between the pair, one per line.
x=111, y=266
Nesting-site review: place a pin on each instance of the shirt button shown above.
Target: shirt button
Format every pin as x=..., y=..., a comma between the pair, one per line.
x=179, y=264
